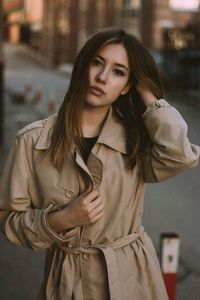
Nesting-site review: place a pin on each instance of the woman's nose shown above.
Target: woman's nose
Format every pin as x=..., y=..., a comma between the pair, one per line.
x=102, y=76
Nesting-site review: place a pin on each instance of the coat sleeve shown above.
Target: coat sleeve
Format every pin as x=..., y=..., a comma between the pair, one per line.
x=171, y=152
x=21, y=222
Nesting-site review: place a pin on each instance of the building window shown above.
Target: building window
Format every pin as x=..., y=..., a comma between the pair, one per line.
x=180, y=5
x=179, y=38
x=132, y=4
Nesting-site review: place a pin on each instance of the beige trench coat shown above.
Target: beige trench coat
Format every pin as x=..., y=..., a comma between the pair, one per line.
x=113, y=258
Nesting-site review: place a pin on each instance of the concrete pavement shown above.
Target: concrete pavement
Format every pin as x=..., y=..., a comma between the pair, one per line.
x=21, y=270
x=172, y=206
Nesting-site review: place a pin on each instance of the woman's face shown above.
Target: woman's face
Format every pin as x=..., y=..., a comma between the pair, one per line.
x=108, y=76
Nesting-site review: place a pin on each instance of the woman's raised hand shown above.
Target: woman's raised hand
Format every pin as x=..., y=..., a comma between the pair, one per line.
x=85, y=209
x=146, y=95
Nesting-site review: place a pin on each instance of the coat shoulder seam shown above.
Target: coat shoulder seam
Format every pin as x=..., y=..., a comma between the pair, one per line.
x=34, y=125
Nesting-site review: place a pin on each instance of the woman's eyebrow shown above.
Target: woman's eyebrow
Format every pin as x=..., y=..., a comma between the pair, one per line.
x=122, y=66
x=117, y=64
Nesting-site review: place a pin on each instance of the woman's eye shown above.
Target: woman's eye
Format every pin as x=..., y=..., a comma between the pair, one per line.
x=96, y=62
x=118, y=72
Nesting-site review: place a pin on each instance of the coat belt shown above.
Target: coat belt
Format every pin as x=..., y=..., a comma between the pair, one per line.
x=111, y=262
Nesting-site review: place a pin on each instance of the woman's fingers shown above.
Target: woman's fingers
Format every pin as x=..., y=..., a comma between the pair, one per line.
x=95, y=203
x=86, y=209
x=95, y=210
x=97, y=213
x=96, y=217
x=93, y=206
x=89, y=197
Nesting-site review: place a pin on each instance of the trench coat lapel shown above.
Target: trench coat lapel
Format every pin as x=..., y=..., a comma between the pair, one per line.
x=67, y=176
x=112, y=135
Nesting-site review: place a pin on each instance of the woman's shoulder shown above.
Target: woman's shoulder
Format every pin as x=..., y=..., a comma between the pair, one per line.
x=37, y=126
x=31, y=127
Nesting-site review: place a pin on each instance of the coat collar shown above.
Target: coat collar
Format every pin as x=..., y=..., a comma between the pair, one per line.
x=112, y=134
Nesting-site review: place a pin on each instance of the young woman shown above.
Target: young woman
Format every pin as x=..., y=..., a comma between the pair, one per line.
x=74, y=183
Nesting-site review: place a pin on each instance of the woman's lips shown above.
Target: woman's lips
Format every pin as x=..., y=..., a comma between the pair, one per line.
x=97, y=91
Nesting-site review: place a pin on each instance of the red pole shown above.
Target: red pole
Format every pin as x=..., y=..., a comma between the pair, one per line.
x=170, y=245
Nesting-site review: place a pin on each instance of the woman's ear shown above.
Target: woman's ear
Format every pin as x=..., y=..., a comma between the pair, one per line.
x=125, y=90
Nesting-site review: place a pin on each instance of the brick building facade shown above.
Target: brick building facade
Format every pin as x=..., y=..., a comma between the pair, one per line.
x=167, y=20
x=68, y=23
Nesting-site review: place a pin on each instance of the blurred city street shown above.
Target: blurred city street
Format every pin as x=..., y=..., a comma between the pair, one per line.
x=172, y=206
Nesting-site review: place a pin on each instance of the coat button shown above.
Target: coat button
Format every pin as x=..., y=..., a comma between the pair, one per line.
x=86, y=256
x=158, y=104
x=69, y=193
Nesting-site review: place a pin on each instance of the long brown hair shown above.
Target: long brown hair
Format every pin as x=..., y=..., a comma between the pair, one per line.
x=67, y=131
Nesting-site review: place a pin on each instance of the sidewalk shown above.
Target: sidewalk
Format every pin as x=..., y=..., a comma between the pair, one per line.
x=16, y=117
x=32, y=92
x=21, y=270
x=24, y=76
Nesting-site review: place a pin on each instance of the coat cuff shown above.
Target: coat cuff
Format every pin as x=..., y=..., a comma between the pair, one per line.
x=49, y=234
x=161, y=103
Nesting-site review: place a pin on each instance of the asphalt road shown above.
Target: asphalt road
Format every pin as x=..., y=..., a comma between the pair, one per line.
x=171, y=206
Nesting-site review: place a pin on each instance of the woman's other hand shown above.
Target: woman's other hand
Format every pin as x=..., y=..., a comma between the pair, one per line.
x=85, y=209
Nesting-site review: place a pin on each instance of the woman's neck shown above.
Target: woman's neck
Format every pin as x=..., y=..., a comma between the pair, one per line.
x=92, y=120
